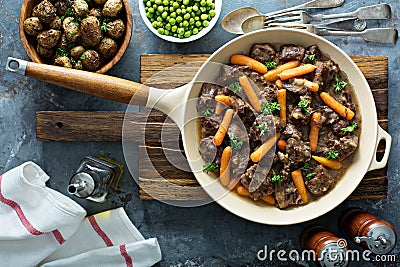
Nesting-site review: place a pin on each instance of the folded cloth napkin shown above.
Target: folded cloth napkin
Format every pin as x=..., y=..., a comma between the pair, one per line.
x=41, y=227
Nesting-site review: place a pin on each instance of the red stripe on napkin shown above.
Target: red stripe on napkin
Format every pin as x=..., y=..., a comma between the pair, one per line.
x=17, y=208
x=126, y=256
x=60, y=239
x=99, y=231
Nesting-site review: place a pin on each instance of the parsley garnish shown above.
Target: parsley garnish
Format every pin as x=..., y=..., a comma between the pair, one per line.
x=62, y=52
x=67, y=13
x=303, y=105
x=350, y=128
x=235, y=143
x=104, y=26
x=268, y=108
x=83, y=57
x=210, y=167
x=311, y=58
x=208, y=111
x=310, y=175
x=271, y=65
x=263, y=127
x=73, y=61
x=276, y=178
x=333, y=154
x=235, y=87
x=339, y=85
x=306, y=167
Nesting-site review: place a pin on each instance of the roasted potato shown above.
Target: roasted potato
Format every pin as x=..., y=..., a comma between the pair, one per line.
x=80, y=8
x=77, y=51
x=96, y=12
x=44, y=52
x=112, y=8
x=49, y=39
x=56, y=23
x=63, y=61
x=107, y=48
x=46, y=12
x=115, y=29
x=71, y=30
x=33, y=26
x=90, y=60
x=91, y=31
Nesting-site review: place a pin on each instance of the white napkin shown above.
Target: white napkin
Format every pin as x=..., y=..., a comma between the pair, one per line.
x=41, y=227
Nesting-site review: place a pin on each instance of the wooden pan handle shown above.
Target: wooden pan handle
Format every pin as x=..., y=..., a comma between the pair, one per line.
x=94, y=84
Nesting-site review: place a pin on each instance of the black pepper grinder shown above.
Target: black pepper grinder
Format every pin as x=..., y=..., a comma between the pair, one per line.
x=95, y=178
x=366, y=229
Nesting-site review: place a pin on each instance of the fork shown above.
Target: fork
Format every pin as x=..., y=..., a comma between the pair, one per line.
x=380, y=11
x=378, y=35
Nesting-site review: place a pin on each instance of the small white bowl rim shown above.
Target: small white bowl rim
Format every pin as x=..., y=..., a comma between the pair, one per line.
x=218, y=7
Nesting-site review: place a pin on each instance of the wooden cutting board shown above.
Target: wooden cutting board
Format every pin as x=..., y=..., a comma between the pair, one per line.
x=160, y=179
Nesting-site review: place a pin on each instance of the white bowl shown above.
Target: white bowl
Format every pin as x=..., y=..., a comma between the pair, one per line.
x=218, y=6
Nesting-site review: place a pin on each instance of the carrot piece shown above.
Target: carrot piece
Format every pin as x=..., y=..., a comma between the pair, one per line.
x=298, y=181
x=269, y=199
x=298, y=71
x=227, y=100
x=314, y=130
x=336, y=106
x=260, y=152
x=250, y=93
x=250, y=62
x=311, y=86
x=281, y=96
x=272, y=75
x=281, y=144
x=330, y=163
x=279, y=84
x=224, y=170
x=218, y=109
x=223, y=127
x=242, y=191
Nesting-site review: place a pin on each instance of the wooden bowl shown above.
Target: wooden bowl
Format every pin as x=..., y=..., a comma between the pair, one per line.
x=29, y=42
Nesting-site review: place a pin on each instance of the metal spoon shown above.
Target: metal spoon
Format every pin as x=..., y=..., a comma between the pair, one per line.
x=233, y=21
x=380, y=11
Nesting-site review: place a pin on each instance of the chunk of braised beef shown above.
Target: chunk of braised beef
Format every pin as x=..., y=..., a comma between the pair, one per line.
x=321, y=182
x=207, y=149
x=292, y=52
x=259, y=173
x=338, y=126
x=286, y=194
x=301, y=116
x=346, y=146
x=328, y=116
x=264, y=126
x=324, y=73
x=264, y=53
x=244, y=111
x=209, y=125
x=210, y=90
x=298, y=151
x=294, y=86
x=345, y=99
x=291, y=131
x=240, y=154
x=268, y=93
x=312, y=50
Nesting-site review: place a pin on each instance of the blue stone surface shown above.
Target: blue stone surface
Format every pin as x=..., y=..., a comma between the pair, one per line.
x=203, y=236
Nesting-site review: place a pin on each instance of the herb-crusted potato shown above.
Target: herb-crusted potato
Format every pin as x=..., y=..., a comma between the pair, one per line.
x=46, y=12
x=63, y=61
x=33, y=26
x=49, y=39
x=107, y=48
x=71, y=30
x=80, y=8
x=90, y=31
x=112, y=8
x=91, y=60
x=115, y=29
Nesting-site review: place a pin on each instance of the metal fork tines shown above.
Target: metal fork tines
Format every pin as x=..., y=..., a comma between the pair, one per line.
x=380, y=11
x=378, y=35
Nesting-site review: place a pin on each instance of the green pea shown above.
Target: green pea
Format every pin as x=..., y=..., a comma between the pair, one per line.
x=187, y=34
x=189, y=9
x=174, y=28
x=204, y=16
x=149, y=15
x=160, y=9
x=164, y=14
x=165, y=2
x=166, y=32
x=148, y=4
x=209, y=2
x=186, y=2
x=198, y=24
x=159, y=24
x=195, y=8
x=158, y=2
x=212, y=13
x=206, y=23
x=181, y=31
x=160, y=30
x=185, y=23
x=175, y=5
x=186, y=16
x=184, y=11
x=179, y=11
x=179, y=19
x=191, y=21
x=203, y=3
x=196, y=18
x=195, y=31
x=154, y=24
x=172, y=21
x=173, y=15
x=159, y=19
x=171, y=9
x=151, y=10
x=168, y=26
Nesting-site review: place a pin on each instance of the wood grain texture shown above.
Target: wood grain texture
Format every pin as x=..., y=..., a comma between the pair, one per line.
x=158, y=177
